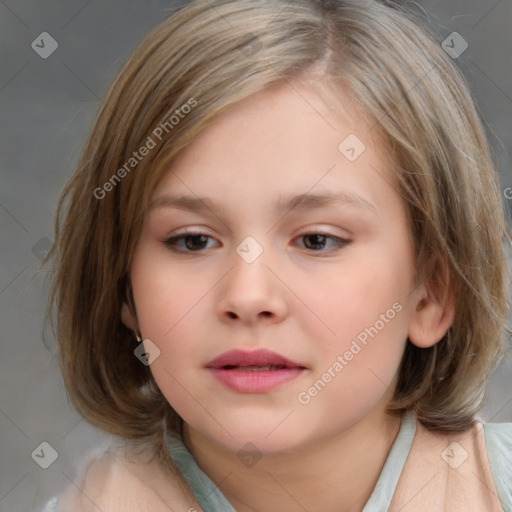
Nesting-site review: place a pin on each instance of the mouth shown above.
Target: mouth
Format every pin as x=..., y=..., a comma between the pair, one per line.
x=256, y=371
x=254, y=368
x=252, y=361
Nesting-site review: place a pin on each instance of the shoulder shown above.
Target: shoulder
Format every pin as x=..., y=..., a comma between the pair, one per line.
x=124, y=481
x=460, y=471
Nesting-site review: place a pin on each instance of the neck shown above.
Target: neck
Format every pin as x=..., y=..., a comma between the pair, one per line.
x=336, y=474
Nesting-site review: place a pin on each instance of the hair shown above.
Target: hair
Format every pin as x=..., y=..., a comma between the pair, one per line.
x=211, y=55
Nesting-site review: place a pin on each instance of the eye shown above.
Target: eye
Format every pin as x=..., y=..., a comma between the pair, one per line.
x=188, y=242
x=195, y=241
x=320, y=241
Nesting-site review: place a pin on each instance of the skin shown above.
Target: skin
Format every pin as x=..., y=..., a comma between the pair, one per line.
x=306, y=298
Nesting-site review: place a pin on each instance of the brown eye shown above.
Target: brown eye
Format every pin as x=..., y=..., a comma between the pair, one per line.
x=194, y=242
x=315, y=241
x=319, y=241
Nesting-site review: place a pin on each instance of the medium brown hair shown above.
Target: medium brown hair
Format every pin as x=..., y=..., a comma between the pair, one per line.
x=213, y=55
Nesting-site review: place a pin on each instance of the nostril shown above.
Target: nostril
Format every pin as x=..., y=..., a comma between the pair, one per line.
x=266, y=314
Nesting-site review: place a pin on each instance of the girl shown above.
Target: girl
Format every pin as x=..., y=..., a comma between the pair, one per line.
x=281, y=270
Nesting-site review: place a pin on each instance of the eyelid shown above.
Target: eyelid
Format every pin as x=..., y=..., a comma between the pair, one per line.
x=185, y=232
x=188, y=231
x=325, y=231
x=320, y=231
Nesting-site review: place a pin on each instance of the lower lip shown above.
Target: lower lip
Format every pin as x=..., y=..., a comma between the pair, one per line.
x=259, y=381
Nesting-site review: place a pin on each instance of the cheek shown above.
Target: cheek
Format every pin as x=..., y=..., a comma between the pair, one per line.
x=356, y=367
x=171, y=315
x=369, y=292
x=166, y=294
x=165, y=301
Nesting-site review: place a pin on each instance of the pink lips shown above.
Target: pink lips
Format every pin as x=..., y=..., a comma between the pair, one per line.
x=256, y=371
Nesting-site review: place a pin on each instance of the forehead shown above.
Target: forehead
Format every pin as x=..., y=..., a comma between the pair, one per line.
x=293, y=137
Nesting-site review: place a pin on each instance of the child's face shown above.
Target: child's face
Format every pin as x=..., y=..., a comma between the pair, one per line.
x=341, y=311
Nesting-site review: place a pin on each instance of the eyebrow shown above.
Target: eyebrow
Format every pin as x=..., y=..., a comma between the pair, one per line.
x=299, y=203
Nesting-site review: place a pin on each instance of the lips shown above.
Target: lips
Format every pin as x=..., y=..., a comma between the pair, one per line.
x=256, y=371
x=251, y=361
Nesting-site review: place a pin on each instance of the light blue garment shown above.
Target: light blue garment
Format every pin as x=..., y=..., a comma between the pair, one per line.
x=205, y=491
x=498, y=442
x=388, y=480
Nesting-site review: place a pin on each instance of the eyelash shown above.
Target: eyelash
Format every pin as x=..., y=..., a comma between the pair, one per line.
x=172, y=242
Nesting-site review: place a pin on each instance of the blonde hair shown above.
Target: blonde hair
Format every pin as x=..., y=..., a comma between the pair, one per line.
x=211, y=55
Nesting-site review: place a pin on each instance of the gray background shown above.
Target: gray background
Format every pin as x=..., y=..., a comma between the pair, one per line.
x=47, y=108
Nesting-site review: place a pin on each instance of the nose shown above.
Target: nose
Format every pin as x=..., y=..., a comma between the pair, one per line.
x=252, y=293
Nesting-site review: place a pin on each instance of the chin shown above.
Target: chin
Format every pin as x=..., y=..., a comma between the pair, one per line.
x=265, y=434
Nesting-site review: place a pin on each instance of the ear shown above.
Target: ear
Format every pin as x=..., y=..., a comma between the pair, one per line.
x=128, y=314
x=435, y=308
x=128, y=318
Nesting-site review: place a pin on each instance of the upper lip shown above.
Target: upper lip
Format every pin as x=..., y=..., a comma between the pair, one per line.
x=259, y=357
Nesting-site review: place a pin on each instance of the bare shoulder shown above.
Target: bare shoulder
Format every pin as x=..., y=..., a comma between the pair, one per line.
x=128, y=480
